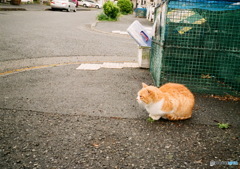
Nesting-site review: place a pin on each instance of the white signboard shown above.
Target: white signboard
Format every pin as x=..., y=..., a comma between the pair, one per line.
x=139, y=34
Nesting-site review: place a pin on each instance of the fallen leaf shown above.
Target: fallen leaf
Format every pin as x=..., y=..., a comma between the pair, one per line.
x=198, y=162
x=225, y=98
x=95, y=145
x=206, y=76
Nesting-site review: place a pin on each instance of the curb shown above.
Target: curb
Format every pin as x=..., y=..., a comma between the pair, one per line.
x=113, y=33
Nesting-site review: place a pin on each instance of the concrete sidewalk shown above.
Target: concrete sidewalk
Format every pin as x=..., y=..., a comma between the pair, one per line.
x=121, y=25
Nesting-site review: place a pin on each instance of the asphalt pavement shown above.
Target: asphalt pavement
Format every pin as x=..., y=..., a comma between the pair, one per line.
x=104, y=26
x=60, y=117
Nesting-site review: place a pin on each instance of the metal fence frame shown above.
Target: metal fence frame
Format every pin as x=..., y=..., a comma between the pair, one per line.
x=216, y=47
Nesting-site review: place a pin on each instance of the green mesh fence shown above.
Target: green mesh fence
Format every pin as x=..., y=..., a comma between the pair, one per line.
x=197, y=43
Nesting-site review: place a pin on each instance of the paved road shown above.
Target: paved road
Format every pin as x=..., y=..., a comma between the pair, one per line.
x=38, y=34
x=46, y=38
x=55, y=116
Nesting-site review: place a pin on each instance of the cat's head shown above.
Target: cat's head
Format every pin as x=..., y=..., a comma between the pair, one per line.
x=147, y=94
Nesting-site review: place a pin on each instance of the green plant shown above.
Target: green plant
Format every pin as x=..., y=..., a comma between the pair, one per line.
x=111, y=10
x=223, y=125
x=126, y=6
x=149, y=119
x=103, y=17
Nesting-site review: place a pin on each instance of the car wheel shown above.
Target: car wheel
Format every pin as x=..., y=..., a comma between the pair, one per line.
x=75, y=10
x=69, y=9
x=97, y=6
x=84, y=5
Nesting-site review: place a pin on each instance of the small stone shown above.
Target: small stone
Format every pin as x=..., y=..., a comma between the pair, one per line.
x=36, y=144
x=168, y=146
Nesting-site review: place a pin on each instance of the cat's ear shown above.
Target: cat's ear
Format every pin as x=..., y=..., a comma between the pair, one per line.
x=144, y=85
x=150, y=92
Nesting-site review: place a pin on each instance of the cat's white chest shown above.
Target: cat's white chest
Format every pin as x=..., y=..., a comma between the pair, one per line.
x=155, y=110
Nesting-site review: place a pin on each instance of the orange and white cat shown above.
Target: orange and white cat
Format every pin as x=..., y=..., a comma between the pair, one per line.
x=171, y=101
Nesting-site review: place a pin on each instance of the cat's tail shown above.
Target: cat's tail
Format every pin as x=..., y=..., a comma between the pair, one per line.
x=174, y=117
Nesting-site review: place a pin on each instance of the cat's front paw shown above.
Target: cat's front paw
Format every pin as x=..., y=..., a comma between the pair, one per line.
x=154, y=117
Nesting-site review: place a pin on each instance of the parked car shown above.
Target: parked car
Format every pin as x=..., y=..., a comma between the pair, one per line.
x=76, y=2
x=68, y=5
x=89, y=4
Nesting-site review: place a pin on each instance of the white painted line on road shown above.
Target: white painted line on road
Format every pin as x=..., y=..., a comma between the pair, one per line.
x=112, y=65
x=108, y=65
x=120, y=32
x=123, y=33
x=130, y=65
x=89, y=66
x=125, y=65
x=116, y=31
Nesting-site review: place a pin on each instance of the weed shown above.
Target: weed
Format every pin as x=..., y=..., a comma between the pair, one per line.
x=223, y=125
x=104, y=17
x=149, y=119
